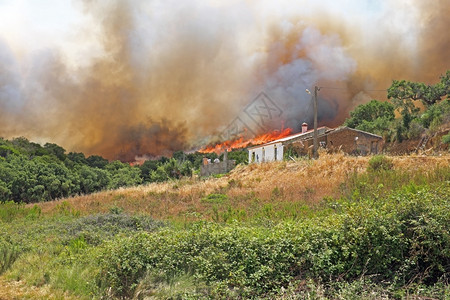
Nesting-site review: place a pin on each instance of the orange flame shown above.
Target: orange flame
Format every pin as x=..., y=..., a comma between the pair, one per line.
x=241, y=143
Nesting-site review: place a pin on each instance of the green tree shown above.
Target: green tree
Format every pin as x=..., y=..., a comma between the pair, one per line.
x=240, y=156
x=93, y=179
x=436, y=114
x=406, y=91
x=159, y=175
x=375, y=117
x=96, y=161
x=147, y=168
x=179, y=155
x=28, y=148
x=6, y=150
x=403, y=93
x=77, y=158
x=123, y=174
x=56, y=150
x=5, y=193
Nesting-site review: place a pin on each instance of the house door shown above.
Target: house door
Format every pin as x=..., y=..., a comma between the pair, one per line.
x=374, y=147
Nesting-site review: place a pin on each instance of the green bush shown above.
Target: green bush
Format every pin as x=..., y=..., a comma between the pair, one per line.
x=403, y=238
x=380, y=163
x=446, y=139
x=435, y=114
x=97, y=228
x=8, y=255
x=32, y=173
x=10, y=211
x=215, y=198
x=240, y=156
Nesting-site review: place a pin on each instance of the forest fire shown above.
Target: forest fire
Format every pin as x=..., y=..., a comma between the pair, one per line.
x=243, y=143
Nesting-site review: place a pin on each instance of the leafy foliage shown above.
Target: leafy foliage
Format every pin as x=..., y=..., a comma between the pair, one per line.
x=436, y=114
x=380, y=163
x=240, y=156
x=215, y=198
x=405, y=91
x=378, y=117
x=8, y=255
x=30, y=172
x=374, y=117
x=446, y=139
x=402, y=238
x=10, y=210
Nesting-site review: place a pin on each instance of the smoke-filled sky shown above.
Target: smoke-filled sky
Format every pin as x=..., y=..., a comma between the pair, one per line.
x=145, y=78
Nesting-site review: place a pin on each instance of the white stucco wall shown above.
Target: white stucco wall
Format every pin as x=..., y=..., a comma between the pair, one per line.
x=266, y=153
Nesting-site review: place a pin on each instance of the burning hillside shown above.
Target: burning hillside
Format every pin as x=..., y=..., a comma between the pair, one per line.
x=243, y=143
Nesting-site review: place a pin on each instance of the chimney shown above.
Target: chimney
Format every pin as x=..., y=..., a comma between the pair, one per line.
x=304, y=127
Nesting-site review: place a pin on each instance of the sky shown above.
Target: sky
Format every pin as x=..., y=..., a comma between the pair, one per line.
x=127, y=79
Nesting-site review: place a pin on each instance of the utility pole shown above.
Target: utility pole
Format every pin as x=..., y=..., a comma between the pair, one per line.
x=315, y=141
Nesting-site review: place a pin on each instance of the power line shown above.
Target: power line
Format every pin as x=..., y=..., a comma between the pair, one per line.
x=339, y=88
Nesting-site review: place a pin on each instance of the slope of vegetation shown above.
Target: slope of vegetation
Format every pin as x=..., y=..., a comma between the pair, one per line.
x=338, y=227
x=406, y=98
x=33, y=173
x=30, y=172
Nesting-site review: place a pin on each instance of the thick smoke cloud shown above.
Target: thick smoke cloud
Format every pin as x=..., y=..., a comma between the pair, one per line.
x=155, y=77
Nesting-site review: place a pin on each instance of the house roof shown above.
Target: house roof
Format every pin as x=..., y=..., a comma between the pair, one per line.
x=306, y=135
x=357, y=130
x=322, y=130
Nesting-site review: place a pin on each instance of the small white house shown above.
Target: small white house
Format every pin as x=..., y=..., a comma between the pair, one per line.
x=267, y=152
x=273, y=151
x=348, y=140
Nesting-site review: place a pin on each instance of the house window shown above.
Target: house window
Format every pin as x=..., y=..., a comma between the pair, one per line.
x=263, y=154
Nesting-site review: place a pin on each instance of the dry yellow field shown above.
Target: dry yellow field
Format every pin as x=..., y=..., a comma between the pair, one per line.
x=15, y=290
x=304, y=181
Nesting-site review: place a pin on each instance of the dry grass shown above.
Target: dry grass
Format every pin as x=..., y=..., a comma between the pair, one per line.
x=303, y=181
x=10, y=290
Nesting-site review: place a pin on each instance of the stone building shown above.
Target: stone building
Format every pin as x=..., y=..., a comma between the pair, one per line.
x=209, y=167
x=348, y=140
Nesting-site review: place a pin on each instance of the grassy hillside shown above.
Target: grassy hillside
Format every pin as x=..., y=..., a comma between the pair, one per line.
x=339, y=227
x=249, y=187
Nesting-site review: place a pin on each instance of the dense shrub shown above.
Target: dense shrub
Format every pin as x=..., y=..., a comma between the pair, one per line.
x=10, y=211
x=380, y=163
x=215, y=198
x=32, y=173
x=436, y=114
x=403, y=238
x=8, y=255
x=97, y=228
x=446, y=139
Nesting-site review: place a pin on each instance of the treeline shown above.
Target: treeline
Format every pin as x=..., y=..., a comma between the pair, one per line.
x=31, y=173
x=183, y=164
x=379, y=117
